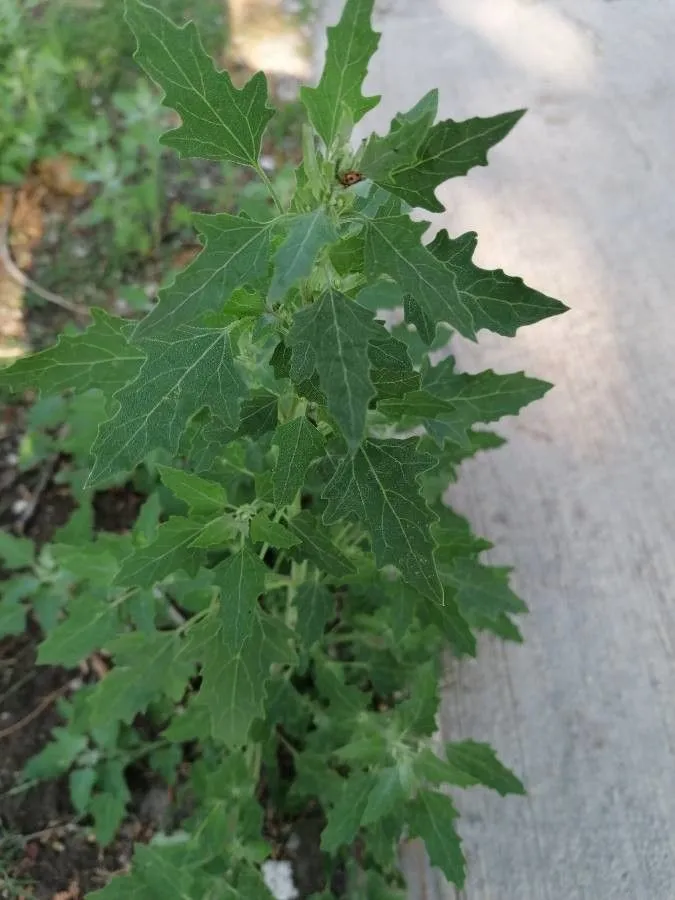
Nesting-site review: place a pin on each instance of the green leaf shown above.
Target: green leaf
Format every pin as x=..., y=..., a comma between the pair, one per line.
x=391, y=371
x=414, y=315
x=236, y=658
x=16, y=552
x=451, y=624
x=57, y=757
x=218, y=121
x=91, y=623
x=259, y=414
x=237, y=648
x=295, y=258
x=386, y=795
x=81, y=783
x=316, y=607
x=333, y=334
x=378, y=488
x=190, y=369
x=201, y=495
x=317, y=545
x=446, y=283
x=344, y=819
x=236, y=252
x=172, y=550
x=482, y=592
x=398, y=148
x=453, y=535
x=108, y=812
x=147, y=666
x=93, y=562
x=449, y=149
x=479, y=762
x=99, y=357
x=299, y=443
x=241, y=580
x=431, y=816
x=12, y=617
x=263, y=529
x=484, y=397
x=162, y=878
x=351, y=43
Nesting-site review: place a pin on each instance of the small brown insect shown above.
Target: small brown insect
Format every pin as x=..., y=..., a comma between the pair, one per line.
x=347, y=179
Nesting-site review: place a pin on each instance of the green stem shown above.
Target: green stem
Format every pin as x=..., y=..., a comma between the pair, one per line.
x=270, y=187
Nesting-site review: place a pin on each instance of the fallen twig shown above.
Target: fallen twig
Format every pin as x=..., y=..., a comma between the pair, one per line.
x=20, y=277
x=40, y=708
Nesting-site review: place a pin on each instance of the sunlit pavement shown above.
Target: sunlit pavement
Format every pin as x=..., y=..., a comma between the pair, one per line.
x=580, y=201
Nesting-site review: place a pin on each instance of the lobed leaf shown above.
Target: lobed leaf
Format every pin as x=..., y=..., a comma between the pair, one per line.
x=236, y=252
x=446, y=283
x=449, y=149
x=184, y=372
x=332, y=336
x=99, y=357
x=299, y=443
x=351, y=44
x=431, y=816
x=219, y=121
x=378, y=487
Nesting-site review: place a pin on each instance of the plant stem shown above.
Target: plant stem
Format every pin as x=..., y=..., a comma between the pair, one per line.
x=270, y=187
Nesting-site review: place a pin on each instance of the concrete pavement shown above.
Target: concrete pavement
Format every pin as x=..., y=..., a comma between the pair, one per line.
x=580, y=201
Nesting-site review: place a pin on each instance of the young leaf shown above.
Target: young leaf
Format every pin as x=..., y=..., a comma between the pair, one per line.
x=351, y=43
x=234, y=658
x=378, y=487
x=398, y=148
x=332, y=335
x=236, y=252
x=219, y=121
x=273, y=533
x=201, y=495
x=317, y=545
x=296, y=256
x=189, y=369
x=386, y=795
x=344, y=819
x=108, y=811
x=99, y=357
x=299, y=443
x=431, y=816
x=316, y=606
x=16, y=552
x=81, y=783
x=449, y=149
x=170, y=552
x=447, y=284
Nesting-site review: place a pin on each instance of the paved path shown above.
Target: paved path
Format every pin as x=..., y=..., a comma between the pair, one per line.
x=579, y=200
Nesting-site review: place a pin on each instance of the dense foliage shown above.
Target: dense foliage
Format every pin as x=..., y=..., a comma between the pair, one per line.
x=279, y=609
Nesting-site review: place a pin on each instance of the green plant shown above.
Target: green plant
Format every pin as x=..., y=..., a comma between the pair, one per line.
x=284, y=599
